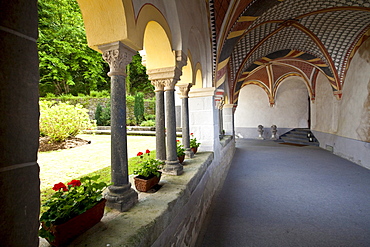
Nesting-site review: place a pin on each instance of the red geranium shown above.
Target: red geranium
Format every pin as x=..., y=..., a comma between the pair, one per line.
x=191, y=134
x=139, y=153
x=75, y=182
x=147, y=151
x=59, y=186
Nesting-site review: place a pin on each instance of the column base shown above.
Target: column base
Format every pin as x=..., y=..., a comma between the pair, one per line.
x=173, y=168
x=189, y=154
x=121, y=198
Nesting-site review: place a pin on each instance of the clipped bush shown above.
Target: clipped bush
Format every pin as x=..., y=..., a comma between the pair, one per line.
x=100, y=94
x=148, y=123
x=62, y=120
x=102, y=115
x=50, y=95
x=139, y=107
x=150, y=117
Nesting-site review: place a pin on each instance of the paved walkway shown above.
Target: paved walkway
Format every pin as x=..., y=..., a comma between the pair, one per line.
x=280, y=195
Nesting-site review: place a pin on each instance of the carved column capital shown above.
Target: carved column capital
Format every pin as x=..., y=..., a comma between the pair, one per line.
x=167, y=76
x=184, y=90
x=169, y=84
x=158, y=85
x=118, y=56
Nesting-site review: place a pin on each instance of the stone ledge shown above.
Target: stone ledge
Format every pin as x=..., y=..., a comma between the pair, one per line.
x=145, y=222
x=225, y=140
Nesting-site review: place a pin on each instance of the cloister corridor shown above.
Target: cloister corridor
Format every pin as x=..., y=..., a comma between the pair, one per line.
x=280, y=195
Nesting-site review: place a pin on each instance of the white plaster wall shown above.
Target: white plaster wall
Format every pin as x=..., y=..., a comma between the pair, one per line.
x=324, y=110
x=355, y=104
x=290, y=109
x=343, y=126
x=203, y=121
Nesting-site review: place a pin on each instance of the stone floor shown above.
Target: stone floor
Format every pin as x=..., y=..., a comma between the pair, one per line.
x=280, y=195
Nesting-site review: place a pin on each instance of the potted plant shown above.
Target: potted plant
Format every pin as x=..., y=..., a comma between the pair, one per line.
x=180, y=151
x=72, y=209
x=148, y=174
x=193, y=143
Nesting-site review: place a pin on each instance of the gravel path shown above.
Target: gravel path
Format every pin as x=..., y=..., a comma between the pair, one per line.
x=67, y=164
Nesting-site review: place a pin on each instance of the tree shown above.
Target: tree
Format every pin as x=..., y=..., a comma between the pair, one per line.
x=67, y=64
x=137, y=79
x=139, y=107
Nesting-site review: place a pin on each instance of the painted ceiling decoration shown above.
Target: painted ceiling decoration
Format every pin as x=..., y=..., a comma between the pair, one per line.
x=262, y=41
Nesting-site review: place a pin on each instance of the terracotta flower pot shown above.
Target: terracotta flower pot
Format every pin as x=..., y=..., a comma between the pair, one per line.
x=66, y=232
x=195, y=150
x=145, y=184
x=181, y=159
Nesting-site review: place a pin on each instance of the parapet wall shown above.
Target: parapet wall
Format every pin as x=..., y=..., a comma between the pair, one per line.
x=172, y=216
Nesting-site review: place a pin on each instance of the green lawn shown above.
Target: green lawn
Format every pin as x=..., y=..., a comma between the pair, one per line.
x=87, y=160
x=68, y=164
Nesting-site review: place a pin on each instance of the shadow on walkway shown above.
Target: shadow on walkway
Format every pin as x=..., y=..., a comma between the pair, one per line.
x=280, y=195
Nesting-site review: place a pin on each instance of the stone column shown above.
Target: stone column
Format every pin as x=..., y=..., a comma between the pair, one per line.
x=120, y=195
x=160, y=143
x=184, y=89
x=228, y=117
x=19, y=124
x=168, y=77
x=172, y=167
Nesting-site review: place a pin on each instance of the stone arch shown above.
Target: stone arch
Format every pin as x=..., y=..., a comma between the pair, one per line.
x=198, y=76
x=101, y=28
x=259, y=84
x=187, y=71
x=283, y=78
x=157, y=46
x=148, y=13
x=200, y=55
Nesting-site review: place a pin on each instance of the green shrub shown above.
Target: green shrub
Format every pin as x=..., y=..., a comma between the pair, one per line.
x=148, y=123
x=94, y=93
x=66, y=97
x=100, y=94
x=102, y=115
x=130, y=122
x=104, y=94
x=139, y=107
x=50, y=95
x=150, y=117
x=61, y=120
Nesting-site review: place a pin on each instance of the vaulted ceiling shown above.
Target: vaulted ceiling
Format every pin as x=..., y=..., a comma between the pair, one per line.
x=262, y=42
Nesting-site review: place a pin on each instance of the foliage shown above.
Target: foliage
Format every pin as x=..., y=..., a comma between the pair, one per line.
x=139, y=107
x=69, y=201
x=67, y=64
x=193, y=141
x=102, y=115
x=180, y=149
x=101, y=94
x=149, y=166
x=148, y=123
x=150, y=117
x=61, y=120
x=137, y=79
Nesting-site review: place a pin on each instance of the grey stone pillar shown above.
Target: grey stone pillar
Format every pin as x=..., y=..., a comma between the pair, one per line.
x=168, y=77
x=19, y=124
x=228, y=117
x=160, y=141
x=172, y=167
x=120, y=195
x=184, y=89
